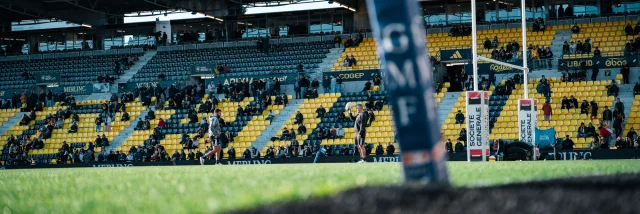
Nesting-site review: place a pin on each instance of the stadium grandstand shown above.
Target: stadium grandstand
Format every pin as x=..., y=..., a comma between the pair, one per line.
x=137, y=81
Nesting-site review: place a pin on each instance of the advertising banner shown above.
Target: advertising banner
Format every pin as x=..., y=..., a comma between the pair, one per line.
x=527, y=120
x=47, y=78
x=487, y=68
x=285, y=79
x=545, y=138
x=77, y=89
x=408, y=77
x=477, y=125
x=455, y=55
x=202, y=69
x=602, y=62
x=348, y=76
x=131, y=86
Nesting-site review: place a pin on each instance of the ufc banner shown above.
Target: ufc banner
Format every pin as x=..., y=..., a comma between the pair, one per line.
x=527, y=120
x=477, y=124
x=408, y=77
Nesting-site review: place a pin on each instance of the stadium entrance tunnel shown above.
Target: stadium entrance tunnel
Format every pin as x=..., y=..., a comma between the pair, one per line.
x=596, y=194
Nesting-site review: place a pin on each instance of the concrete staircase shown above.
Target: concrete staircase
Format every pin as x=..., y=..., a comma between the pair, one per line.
x=128, y=74
x=276, y=124
x=445, y=106
x=546, y=73
x=558, y=40
x=13, y=121
x=626, y=96
x=327, y=63
x=97, y=96
x=128, y=131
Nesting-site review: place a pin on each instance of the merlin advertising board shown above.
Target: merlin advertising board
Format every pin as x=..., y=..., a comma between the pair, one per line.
x=76, y=89
x=408, y=73
x=527, y=120
x=133, y=85
x=477, y=125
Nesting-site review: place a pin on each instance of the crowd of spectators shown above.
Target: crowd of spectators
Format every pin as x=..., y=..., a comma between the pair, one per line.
x=460, y=30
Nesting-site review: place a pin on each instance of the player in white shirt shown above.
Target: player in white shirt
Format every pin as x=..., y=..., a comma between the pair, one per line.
x=214, y=133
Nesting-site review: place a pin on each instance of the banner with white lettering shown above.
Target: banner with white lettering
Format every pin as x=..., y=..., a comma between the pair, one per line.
x=545, y=138
x=477, y=125
x=347, y=76
x=527, y=120
x=74, y=89
x=284, y=78
x=402, y=45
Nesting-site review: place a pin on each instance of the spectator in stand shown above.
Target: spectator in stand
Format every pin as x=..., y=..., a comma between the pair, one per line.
x=459, y=147
x=567, y=144
x=379, y=150
x=125, y=116
x=353, y=62
x=146, y=125
x=625, y=73
x=487, y=44
x=320, y=112
x=340, y=132
x=302, y=129
x=575, y=29
x=337, y=40
x=607, y=116
x=390, y=148
x=617, y=125
x=582, y=131
x=315, y=83
x=270, y=116
x=463, y=135
x=139, y=125
x=326, y=84
x=98, y=122
x=162, y=123
x=591, y=130
x=270, y=152
x=584, y=107
x=448, y=146
x=628, y=29
x=594, y=109
x=299, y=118
x=546, y=108
x=349, y=43
x=74, y=127
x=632, y=135
x=459, y=117
x=636, y=88
x=596, y=53
x=618, y=107
x=573, y=48
x=231, y=152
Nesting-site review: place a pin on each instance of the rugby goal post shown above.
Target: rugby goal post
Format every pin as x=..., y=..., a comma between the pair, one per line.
x=477, y=101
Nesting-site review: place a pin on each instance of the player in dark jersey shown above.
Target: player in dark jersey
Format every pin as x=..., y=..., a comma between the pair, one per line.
x=214, y=134
x=360, y=128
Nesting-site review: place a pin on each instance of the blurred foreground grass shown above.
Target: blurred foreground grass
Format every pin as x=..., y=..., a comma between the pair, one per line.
x=198, y=189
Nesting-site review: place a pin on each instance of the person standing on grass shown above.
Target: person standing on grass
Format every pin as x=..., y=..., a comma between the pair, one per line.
x=214, y=133
x=360, y=126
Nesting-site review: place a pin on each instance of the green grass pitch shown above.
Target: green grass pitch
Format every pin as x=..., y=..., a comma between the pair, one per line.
x=198, y=189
